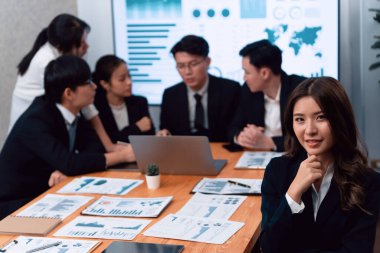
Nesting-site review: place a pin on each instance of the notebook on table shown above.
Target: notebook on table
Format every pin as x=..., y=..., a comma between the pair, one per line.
x=176, y=155
x=28, y=225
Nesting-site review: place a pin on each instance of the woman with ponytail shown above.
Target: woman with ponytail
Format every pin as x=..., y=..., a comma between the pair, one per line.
x=66, y=34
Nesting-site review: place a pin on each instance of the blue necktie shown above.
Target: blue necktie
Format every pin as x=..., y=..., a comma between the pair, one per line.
x=72, y=134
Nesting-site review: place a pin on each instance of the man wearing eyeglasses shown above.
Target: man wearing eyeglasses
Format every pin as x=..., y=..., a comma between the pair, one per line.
x=201, y=104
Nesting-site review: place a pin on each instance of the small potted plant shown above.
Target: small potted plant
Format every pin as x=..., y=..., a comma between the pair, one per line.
x=153, y=177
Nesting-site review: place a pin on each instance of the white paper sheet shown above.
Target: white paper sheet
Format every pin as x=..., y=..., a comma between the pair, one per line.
x=196, y=229
x=128, y=207
x=55, y=206
x=212, y=206
x=100, y=185
x=224, y=186
x=255, y=160
x=27, y=243
x=106, y=228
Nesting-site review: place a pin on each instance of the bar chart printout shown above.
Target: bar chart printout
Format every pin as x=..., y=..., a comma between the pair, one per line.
x=105, y=228
x=215, y=231
x=55, y=206
x=128, y=207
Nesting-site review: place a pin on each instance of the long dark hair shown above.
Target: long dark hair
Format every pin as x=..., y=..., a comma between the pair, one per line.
x=348, y=150
x=104, y=68
x=64, y=32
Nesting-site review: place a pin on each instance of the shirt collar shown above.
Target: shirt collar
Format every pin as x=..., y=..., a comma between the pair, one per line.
x=276, y=99
x=326, y=180
x=66, y=114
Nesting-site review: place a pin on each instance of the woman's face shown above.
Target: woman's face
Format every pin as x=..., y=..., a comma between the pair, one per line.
x=82, y=49
x=312, y=128
x=120, y=84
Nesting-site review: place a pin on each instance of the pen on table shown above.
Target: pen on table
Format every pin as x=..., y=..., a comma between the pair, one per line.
x=11, y=243
x=46, y=246
x=239, y=184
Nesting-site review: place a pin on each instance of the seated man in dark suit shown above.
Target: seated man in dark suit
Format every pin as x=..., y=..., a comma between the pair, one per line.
x=201, y=104
x=259, y=116
x=51, y=139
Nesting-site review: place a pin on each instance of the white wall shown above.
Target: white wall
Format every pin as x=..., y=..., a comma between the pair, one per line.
x=20, y=23
x=99, y=16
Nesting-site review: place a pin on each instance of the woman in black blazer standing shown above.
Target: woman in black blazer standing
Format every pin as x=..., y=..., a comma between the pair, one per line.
x=321, y=196
x=121, y=113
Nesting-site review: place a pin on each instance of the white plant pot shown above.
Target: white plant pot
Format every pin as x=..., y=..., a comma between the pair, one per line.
x=153, y=182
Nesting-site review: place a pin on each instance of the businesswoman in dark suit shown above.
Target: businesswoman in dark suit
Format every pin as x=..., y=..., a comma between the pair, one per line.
x=320, y=196
x=121, y=113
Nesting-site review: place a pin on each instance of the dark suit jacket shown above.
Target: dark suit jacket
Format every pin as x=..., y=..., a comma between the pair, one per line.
x=223, y=97
x=251, y=109
x=137, y=107
x=37, y=146
x=334, y=230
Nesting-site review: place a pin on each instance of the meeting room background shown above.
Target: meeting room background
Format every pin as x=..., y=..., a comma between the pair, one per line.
x=20, y=22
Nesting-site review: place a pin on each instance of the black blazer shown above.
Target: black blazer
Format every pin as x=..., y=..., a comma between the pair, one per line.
x=334, y=230
x=223, y=97
x=137, y=107
x=251, y=109
x=38, y=145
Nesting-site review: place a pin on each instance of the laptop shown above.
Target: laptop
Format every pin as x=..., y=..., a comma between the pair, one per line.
x=176, y=155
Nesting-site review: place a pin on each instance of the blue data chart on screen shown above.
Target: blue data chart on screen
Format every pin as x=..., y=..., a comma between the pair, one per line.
x=145, y=30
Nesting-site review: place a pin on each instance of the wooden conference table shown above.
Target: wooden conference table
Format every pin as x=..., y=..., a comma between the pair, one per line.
x=179, y=186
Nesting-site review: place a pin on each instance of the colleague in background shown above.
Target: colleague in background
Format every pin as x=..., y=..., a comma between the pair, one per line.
x=201, y=104
x=259, y=116
x=121, y=113
x=52, y=139
x=321, y=196
x=66, y=34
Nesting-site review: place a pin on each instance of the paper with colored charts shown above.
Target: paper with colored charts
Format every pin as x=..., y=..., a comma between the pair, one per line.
x=215, y=231
x=235, y=186
x=212, y=206
x=100, y=185
x=105, y=228
x=255, y=160
x=128, y=207
x=49, y=245
x=55, y=206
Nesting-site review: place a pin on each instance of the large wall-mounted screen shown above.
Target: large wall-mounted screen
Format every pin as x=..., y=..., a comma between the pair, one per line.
x=145, y=31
